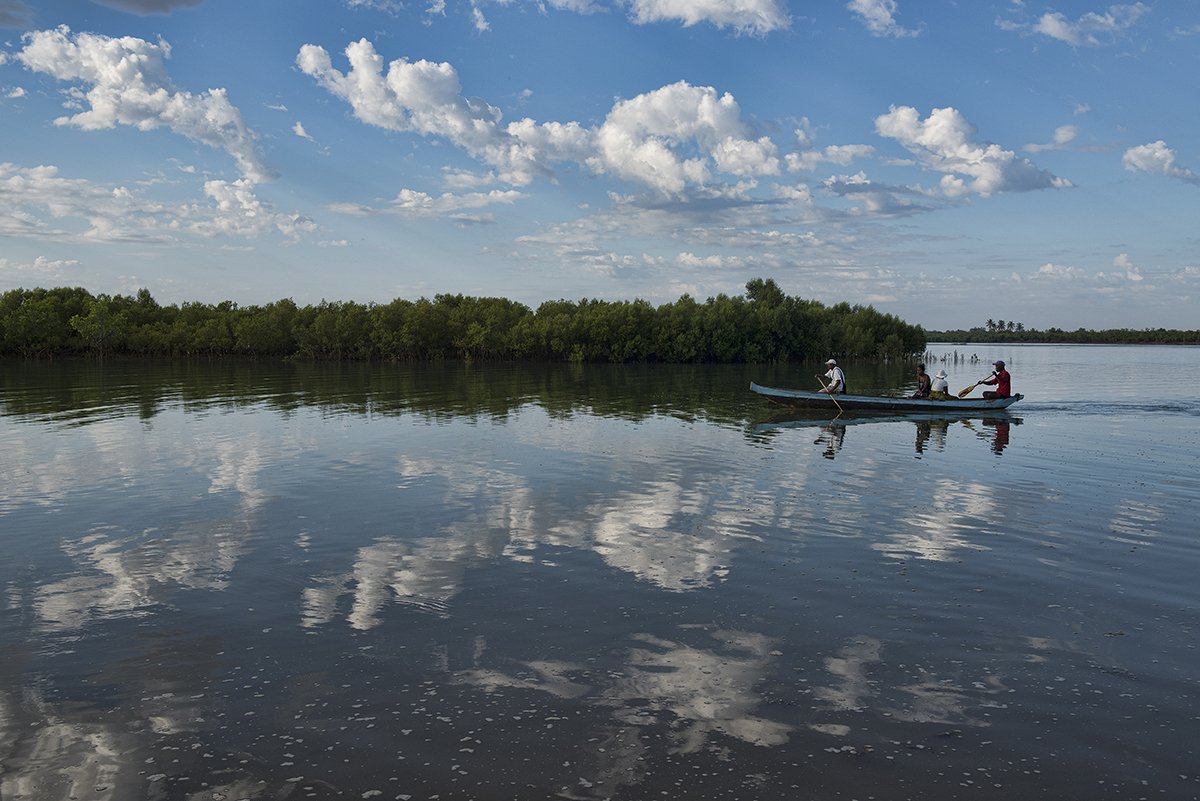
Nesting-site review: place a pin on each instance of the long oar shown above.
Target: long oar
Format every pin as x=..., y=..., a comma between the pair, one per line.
x=830, y=394
x=967, y=391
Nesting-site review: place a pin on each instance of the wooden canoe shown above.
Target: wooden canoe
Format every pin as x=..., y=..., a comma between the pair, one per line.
x=800, y=399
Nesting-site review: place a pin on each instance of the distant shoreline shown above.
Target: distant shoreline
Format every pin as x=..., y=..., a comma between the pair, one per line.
x=1055, y=337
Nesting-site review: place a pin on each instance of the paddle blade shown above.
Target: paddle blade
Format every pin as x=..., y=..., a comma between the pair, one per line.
x=964, y=393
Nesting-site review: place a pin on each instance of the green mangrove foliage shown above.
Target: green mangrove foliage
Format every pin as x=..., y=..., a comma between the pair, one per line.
x=764, y=325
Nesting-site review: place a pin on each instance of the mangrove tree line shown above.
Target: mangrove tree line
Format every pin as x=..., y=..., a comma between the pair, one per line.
x=764, y=325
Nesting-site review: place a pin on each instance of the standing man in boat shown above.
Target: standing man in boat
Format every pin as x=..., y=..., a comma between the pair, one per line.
x=837, y=379
x=1002, y=380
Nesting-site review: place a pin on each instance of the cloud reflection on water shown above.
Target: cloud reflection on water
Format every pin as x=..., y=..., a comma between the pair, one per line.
x=68, y=758
x=128, y=575
x=411, y=518
x=947, y=524
x=120, y=572
x=677, y=536
x=697, y=693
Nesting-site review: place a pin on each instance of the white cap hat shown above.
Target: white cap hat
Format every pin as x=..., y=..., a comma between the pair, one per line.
x=831, y=361
x=941, y=374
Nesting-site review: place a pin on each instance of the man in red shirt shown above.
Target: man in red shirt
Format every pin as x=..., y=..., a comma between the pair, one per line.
x=1002, y=380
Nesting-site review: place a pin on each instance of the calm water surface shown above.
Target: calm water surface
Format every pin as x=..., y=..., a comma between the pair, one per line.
x=256, y=581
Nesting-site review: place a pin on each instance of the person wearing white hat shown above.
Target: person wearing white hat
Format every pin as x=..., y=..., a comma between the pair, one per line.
x=837, y=379
x=939, y=389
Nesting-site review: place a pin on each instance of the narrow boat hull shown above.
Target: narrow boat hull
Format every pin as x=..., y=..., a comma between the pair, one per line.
x=800, y=399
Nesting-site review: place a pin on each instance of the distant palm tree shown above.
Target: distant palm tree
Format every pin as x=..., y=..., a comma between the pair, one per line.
x=1000, y=325
x=991, y=324
x=1012, y=326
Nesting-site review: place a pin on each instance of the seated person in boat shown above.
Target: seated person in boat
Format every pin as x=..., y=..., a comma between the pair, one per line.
x=923, y=384
x=837, y=379
x=1002, y=380
x=939, y=389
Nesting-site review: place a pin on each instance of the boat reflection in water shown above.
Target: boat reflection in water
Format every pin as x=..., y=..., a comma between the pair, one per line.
x=1000, y=439
x=932, y=429
x=831, y=435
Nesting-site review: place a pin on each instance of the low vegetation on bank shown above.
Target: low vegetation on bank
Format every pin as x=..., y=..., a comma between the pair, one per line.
x=764, y=325
x=1057, y=336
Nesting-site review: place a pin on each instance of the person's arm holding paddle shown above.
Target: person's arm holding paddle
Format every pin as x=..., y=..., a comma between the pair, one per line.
x=1002, y=381
x=837, y=383
x=962, y=393
x=837, y=379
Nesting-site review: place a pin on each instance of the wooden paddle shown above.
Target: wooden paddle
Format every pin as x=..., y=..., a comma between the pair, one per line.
x=967, y=391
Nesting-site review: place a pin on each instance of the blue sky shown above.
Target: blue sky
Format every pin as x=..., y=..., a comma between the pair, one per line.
x=947, y=162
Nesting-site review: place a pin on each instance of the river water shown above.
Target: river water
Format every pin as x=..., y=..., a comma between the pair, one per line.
x=261, y=581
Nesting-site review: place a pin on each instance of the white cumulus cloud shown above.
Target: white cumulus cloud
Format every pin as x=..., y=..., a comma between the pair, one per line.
x=410, y=203
x=130, y=86
x=1158, y=159
x=1059, y=271
x=879, y=200
x=644, y=139
x=880, y=17
x=38, y=203
x=40, y=265
x=1125, y=263
x=745, y=17
x=668, y=139
x=755, y=17
x=842, y=155
x=454, y=178
x=1063, y=135
x=237, y=210
x=1091, y=27
x=945, y=142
